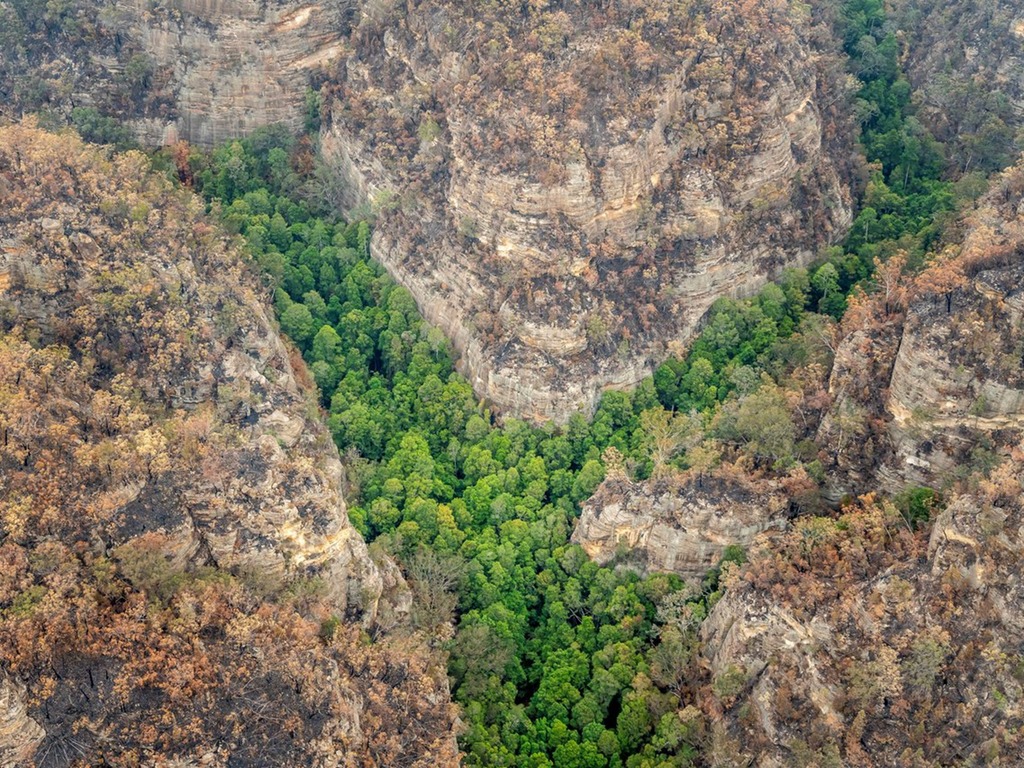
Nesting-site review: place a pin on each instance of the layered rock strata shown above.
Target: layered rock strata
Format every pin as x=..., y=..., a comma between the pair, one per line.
x=19, y=733
x=179, y=582
x=675, y=525
x=956, y=378
x=145, y=292
x=927, y=393
x=238, y=65
x=566, y=191
x=843, y=640
x=201, y=70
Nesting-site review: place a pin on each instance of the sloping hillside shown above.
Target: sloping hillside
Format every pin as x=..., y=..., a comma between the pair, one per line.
x=874, y=638
x=173, y=538
x=966, y=61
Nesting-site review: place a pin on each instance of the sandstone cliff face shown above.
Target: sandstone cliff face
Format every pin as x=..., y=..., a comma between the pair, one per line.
x=956, y=378
x=19, y=733
x=844, y=641
x=567, y=189
x=155, y=301
x=931, y=392
x=178, y=577
x=237, y=64
x=845, y=644
x=854, y=430
x=201, y=70
x=675, y=525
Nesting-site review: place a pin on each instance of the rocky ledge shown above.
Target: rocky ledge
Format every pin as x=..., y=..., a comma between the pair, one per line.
x=676, y=525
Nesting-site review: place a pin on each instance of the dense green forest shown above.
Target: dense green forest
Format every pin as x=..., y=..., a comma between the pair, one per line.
x=555, y=660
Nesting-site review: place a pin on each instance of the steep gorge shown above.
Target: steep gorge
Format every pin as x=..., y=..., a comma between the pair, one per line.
x=567, y=189
x=498, y=201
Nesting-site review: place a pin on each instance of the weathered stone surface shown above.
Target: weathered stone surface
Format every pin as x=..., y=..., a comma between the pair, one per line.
x=563, y=252
x=201, y=70
x=236, y=65
x=849, y=656
x=179, y=323
x=916, y=393
x=175, y=544
x=565, y=197
x=982, y=539
x=956, y=377
x=676, y=525
x=19, y=733
x=862, y=366
x=746, y=636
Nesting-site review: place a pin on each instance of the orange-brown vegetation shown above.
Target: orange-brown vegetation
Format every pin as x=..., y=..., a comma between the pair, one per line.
x=893, y=646
x=137, y=635
x=871, y=637
x=957, y=315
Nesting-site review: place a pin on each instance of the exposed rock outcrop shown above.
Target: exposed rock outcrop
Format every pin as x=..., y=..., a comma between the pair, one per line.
x=924, y=394
x=676, y=525
x=956, y=377
x=844, y=642
x=201, y=70
x=19, y=733
x=144, y=290
x=566, y=190
x=236, y=65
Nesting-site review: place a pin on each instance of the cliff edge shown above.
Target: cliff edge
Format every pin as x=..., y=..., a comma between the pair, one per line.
x=178, y=576
x=566, y=189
